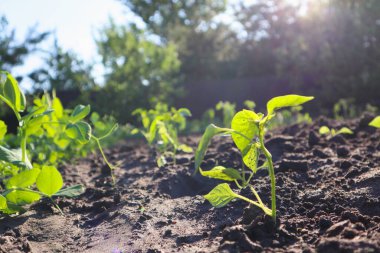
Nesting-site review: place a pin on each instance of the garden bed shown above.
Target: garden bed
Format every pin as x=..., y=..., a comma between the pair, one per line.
x=328, y=200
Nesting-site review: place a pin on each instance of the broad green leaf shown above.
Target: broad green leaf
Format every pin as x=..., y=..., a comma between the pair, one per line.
x=324, y=130
x=12, y=92
x=244, y=122
x=210, y=132
x=57, y=107
x=21, y=197
x=250, y=157
x=49, y=181
x=79, y=131
x=23, y=179
x=185, y=148
x=221, y=195
x=375, y=122
x=80, y=112
x=286, y=101
x=3, y=129
x=70, y=192
x=220, y=172
x=13, y=156
x=152, y=131
x=3, y=203
x=344, y=130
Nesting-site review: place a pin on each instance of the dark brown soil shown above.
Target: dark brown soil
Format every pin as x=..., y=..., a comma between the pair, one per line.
x=328, y=201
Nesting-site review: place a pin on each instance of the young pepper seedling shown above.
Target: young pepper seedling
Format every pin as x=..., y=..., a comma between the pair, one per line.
x=248, y=130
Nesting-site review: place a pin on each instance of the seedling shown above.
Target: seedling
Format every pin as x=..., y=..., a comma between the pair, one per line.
x=160, y=129
x=26, y=183
x=324, y=130
x=228, y=111
x=248, y=130
x=375, y=122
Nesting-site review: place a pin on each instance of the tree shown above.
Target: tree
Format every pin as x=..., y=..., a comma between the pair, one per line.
x=63, y=71
x=13, y=53
x=139, y=71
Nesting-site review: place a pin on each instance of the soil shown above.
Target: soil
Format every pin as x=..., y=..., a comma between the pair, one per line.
x=328, y=198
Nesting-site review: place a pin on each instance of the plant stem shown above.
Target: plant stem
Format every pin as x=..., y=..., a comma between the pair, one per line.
x=105, y=159
x=264, y=208
x=23, y=146
x=270, y=170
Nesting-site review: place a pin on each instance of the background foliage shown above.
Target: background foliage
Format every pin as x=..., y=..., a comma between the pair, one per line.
x=329, y=49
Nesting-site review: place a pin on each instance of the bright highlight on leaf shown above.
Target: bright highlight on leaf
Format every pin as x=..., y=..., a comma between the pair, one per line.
x=49, y=180
x=23, y=179
x=286, y=101
x=244, y=122
x=221, y=195
x=375, y=122
x=220, y=172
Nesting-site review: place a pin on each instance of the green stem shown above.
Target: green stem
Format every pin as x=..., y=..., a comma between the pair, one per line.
x=23, y=146
x=264, y=208
x=105, y=159
x=271, y=172
x=56, y=205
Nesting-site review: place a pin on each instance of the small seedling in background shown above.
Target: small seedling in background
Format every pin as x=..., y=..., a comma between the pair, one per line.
x=249, y=104
x=324, y=130
x=160, y=127
x=375, y=122
x=26, y=183
x=248, y=130
x=228, y=111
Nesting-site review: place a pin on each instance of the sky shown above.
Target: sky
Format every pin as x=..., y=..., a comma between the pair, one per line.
x=74, y=23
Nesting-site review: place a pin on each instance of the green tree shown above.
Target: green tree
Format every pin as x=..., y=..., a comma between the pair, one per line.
x=139, y=71
x=63, y=71
x=12, y=52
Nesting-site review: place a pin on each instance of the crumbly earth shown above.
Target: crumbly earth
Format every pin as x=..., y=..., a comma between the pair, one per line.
x=328, y=198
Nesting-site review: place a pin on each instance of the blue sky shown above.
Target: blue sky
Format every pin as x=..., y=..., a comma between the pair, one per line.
x=74, y=22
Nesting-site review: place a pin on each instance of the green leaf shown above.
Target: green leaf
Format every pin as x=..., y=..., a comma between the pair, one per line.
x=210, y=132
x=324, y=130
x=250, y=157
x=79, y=131
x=3, y=203
x=221, y=195
x=220, y=172
x=12, y=93
x=375, y=122
x=344, y=130
x=244, y=122
x=21, y=197
x=286, y=101
x=185, y=148
x=161, y=161
x=57, y=107
x=49, y=180
x=3, y=129
x=70, y=192
x=80, y=112
x=13, y=156
x=184, y=112
x=23, y=179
